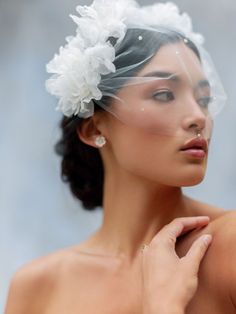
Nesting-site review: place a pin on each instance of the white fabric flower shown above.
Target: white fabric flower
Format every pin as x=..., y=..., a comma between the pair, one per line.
x=77, y=74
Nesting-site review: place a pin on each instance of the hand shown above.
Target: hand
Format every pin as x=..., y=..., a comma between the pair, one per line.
x=170, y=282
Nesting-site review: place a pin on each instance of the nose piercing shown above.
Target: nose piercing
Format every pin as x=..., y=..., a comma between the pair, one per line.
x=198, y=133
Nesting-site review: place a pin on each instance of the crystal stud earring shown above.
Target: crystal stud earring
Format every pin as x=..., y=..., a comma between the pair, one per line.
x=100, y=141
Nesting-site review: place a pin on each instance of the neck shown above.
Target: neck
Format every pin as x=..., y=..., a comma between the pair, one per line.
x=135, y=211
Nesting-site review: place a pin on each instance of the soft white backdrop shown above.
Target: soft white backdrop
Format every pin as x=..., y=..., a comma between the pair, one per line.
x=38, y=214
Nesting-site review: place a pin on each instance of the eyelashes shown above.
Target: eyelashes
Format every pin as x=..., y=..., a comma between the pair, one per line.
x=205, y=101
x=165, y=96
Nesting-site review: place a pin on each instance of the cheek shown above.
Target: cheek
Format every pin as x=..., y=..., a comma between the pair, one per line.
x=143, y=154
x=154, y=158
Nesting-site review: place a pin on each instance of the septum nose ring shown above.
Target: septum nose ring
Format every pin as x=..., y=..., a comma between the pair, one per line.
x=198, y=132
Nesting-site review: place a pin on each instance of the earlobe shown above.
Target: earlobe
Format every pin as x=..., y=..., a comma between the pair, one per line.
x=89, y=133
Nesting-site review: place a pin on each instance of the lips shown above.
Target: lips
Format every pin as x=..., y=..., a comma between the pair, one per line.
x=198, y=143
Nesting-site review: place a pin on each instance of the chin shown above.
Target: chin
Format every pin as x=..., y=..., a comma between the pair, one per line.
x=192, y=174
x=192, y=179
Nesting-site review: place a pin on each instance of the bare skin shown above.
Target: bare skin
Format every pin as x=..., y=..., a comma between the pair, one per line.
x=81, y=280
x=142, y=193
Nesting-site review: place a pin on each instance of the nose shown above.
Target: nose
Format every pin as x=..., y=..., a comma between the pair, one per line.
x=195, y=119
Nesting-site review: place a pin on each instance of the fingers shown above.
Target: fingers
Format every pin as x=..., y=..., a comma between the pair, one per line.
x=200, y=222
x=169, y=233
x=196, y=253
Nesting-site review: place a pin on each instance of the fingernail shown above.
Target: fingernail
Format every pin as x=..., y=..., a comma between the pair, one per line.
x=207, y=238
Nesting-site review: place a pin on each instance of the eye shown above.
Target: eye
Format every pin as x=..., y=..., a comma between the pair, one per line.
x=205, y=101
x=163, y=96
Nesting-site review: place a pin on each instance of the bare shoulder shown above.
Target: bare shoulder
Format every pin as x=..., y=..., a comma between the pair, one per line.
x=223, y=253
x=201, y=209
x=217, y=273
x=224, y=227
x=34, y=283
x=222, y=222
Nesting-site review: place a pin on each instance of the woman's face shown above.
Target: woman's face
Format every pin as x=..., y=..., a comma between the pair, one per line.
x=157, y=118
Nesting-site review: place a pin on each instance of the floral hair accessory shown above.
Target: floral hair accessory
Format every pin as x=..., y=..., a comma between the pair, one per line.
x=78, y=68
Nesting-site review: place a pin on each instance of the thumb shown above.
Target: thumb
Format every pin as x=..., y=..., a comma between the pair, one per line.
x=197, y=251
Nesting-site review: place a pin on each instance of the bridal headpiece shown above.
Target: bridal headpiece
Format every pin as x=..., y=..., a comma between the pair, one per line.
x=85, y=69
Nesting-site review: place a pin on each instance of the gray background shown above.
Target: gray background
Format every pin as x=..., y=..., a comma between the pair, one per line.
x=38, y=214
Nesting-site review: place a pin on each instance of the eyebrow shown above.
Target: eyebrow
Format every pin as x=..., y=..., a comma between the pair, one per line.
x=160, y=74
x=173, y=77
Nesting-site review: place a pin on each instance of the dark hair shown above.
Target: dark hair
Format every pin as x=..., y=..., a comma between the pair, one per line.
x=81, y=164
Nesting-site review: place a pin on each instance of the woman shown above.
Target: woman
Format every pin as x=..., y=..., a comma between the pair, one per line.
x=139, y=94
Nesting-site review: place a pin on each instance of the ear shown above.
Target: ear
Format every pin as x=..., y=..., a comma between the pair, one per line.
x=89, y=130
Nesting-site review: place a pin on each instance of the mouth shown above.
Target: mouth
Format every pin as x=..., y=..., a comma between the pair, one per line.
x=197, y=148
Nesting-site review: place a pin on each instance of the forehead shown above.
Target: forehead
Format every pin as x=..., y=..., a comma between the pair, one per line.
x=175, y=58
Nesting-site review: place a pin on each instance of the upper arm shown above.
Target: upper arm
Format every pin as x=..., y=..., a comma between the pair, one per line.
x=227, y=252
x=231, y=248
